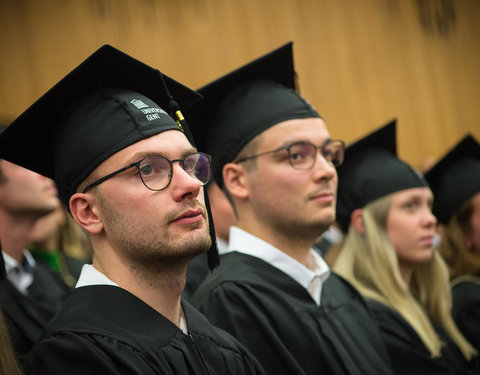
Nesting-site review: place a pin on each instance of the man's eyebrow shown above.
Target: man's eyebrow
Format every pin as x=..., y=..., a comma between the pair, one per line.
x=294, y=141
x=145, y=154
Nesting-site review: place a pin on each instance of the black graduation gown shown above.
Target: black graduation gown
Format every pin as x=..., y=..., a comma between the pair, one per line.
x=466, y=308
x=104, y=329
x=279, y=322
x=197, y=270
x=407, y=351
x=27, y=316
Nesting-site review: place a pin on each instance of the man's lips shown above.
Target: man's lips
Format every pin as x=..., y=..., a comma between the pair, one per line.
x=189, y=216
x=324, y=197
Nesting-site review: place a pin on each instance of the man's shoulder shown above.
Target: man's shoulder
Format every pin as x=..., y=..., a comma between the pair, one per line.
x=200, y=327
x=113, y=313
x=236, y=267
x=134, y=336
x=242, y=273
x=337, y=290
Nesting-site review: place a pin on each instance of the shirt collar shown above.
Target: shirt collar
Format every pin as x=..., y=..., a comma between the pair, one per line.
x=222, y=246
x=249, y=244
x=20, y=275
x=28, y=262
x=91, y=276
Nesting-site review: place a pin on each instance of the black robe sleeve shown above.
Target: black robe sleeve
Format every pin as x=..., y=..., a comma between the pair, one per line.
x=466, y=309
x=407, y=352
x=73, y=354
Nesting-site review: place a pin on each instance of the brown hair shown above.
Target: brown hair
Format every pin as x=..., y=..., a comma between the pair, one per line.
x=453, y=247
x=8, y=363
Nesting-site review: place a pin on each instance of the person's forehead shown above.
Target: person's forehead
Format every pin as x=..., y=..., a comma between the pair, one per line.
x=171, y=143
x=17, y=169
x=416, y=192
x=308, y=129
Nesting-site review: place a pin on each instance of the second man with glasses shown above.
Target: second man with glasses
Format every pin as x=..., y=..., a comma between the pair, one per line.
x=273, y=291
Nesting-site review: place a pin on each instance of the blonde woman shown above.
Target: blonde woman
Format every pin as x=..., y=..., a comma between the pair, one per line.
x=455, y=180
x=388, y=255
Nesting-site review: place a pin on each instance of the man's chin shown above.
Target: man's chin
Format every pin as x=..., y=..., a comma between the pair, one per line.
x=195, y=246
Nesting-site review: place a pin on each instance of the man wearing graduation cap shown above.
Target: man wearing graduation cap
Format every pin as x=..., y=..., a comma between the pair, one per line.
x=455, y=181
x=275, y=159
x=134, y=182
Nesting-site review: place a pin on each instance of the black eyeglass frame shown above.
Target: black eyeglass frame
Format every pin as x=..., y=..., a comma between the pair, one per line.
x=137, y=164
x=329, y=141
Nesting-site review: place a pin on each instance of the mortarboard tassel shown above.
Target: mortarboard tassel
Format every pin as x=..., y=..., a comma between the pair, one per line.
x=212, y=255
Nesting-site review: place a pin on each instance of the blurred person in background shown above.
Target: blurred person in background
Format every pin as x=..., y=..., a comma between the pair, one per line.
x=54, y=238
x=32, y=293
x=455, y=181
x=388, y=254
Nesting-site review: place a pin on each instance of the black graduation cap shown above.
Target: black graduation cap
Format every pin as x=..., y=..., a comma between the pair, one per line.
x=455, y=178
x=371, y=170
x=107, y=103
x=245, y=102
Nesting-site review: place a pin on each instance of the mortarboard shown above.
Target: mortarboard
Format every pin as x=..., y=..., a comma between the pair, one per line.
x=105, y=104
x=371, y=170
x=455, y=178
x=245, y=102
x=108, y=102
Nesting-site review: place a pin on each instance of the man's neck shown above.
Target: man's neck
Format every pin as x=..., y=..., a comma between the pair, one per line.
x=296, y=247
x=160, y=289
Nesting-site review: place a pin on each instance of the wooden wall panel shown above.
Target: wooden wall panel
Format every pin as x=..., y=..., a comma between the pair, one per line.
x=360, y=62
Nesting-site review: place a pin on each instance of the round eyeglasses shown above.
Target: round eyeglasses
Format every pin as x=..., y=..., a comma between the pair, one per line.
x=156, y=171
x=302, y=155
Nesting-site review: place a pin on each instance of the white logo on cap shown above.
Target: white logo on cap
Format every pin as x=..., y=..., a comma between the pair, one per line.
x=138, y=103
x=151, y=113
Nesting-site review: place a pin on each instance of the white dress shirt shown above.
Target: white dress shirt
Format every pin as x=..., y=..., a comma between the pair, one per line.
x=91, y=276
x=20, y=275
x=222, y=246
x=311, y=278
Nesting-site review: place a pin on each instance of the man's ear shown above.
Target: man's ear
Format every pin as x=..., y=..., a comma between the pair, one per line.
x=84, y=211
x=235, y=178
x=356, y=220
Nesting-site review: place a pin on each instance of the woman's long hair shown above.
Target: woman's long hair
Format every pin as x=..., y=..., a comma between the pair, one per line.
x=8, y=363
x=370, y=263
x=454, y=249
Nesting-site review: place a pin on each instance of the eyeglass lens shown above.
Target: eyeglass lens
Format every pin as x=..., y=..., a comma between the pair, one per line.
x=156, y=171
x=302, y=155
